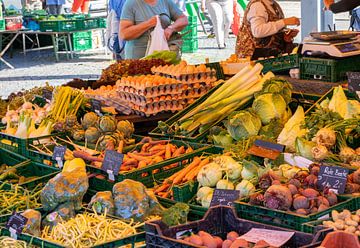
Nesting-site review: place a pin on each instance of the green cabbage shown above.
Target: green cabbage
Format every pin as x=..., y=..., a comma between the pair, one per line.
x=243, y=124
x=303, y=147
x=338, y=101
x=292, y=130
x=278, y=85
x=269, y=106
x=352, y=109
x=222, y=139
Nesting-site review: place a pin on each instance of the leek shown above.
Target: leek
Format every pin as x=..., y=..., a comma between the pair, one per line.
x=23, y=127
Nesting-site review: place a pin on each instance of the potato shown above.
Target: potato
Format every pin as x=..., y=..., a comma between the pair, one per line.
x=345, y=214
x=335, y=215
x=209, y=242
x=232, y=235
x=350, y=229
x=350, y=222
x=218, y=241
x=328, y=223
x=240, y=243
x=196, y=240
x=227, y=243
x=339, y=225
x=355, y=217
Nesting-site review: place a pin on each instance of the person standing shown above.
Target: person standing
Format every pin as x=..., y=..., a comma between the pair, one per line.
x=82, y=5
x=54, y=7
x=221, y=15
x=263, y=27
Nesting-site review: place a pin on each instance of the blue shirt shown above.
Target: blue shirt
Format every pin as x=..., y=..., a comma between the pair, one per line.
x=137, y=11
x=117, y=6
x=55, y=2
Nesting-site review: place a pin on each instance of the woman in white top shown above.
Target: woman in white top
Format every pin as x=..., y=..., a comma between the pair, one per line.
x=221, y=14
x=262, y=27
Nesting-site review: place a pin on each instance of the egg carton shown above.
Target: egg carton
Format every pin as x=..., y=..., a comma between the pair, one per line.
x=191, y=78
x=150, y=112
x=193, y=93
x=120, y=105
x=152, y=92
x=140, y=100
x=148, y=81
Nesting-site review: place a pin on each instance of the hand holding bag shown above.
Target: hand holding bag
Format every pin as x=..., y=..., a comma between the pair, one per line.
x=157, y=41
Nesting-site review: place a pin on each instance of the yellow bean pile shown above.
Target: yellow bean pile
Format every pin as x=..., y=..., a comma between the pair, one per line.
x=89, y=229
x=12, y=243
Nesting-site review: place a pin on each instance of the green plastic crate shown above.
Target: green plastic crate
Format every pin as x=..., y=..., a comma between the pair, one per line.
x=157, y=172
x=286, y=219
x=192, y=20
x=60, y=25
x=2, y=25
x=11, y=158
x=190, y=33
x=280, y=63
x=190, y=46
x=19, y=145
x=90, y=23
x=33, y=169
x=39, y=242
x=101, y=22
x=329, y=70
x=82, y=41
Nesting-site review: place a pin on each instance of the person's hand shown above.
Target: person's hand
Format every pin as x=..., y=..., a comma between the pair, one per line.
x=292, y=21
x=327, y=4
x=152, y=21
x=168, y=32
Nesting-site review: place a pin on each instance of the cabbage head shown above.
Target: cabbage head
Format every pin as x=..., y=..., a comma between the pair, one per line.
x=278, y=85
x=243, y=124
x=269, y=106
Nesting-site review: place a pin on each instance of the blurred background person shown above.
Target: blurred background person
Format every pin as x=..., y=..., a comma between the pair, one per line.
x=54, y=7
x=81, y=6
x=221, y=15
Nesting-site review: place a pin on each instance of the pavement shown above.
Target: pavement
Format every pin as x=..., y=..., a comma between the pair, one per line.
x=39, y=67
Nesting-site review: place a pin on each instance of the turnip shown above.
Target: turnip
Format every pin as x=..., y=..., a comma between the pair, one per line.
x=231, y=167
x=320, y=152
x=202, y=192
x=293, y=189
x=301, y=202
x=246, y=188
x=347, y=154
x=209, y=175
x=325, y=137
x=225, y=184
x=310, y=193
x=278, y=197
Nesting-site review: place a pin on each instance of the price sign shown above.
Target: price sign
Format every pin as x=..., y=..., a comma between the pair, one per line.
x=354, y=81
x=58, y=155
x=111, y=163
x=332, y=177
x=96, y=106
x=224, y=197
x=265, y=149
x=47, y=95
x=16, y=224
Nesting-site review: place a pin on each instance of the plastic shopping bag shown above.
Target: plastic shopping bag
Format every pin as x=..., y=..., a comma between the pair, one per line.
x=113, y=41
x=236, y=21
x=157, y=41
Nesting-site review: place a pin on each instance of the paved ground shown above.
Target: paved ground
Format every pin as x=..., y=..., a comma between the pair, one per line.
x=39, y=67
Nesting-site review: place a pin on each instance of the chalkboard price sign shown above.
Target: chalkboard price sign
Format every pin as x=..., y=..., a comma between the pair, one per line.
x=111, y=163
x=224, y=197
x=47, y=95
x=16, y=224
x=333, y=177
x=96, y=106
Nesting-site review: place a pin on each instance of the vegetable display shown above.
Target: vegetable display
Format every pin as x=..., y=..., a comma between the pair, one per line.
x=10, y=174
x=344, y=221
x=19, y=198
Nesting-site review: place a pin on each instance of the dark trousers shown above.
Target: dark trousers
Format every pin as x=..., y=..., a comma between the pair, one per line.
x=54, y=9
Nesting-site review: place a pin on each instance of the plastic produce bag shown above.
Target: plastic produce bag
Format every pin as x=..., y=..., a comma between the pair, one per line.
x=157, y=41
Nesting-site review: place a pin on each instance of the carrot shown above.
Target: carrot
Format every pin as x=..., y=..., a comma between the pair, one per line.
x=139, y=157
x=193, y=164
x=141, y=164
x=121, y=146
x=166, y=195
x=193, y=174
x=157, y=159
x=189, y=149
x=157, y=147
x=86, y=156
x=129, y=161
x=145, y=147
x=168, y=151
x=148, y=153
x=163, y=187
x=178, y=152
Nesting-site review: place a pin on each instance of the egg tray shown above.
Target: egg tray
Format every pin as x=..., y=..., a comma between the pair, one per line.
x=147, y=112
x=192, y=78
x=141, y=100
x=152, y=91
x=119, y=104
x=151, y=81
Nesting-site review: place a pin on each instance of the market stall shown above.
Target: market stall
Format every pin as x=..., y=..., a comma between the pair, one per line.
x=161, y=153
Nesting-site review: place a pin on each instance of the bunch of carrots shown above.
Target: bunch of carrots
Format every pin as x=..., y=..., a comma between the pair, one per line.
x=189, y=173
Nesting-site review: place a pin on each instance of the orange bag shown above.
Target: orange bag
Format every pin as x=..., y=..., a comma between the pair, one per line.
x=236, y=21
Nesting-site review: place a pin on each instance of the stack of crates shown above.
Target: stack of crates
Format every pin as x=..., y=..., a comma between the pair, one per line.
x=190, y=38
x=82, y=41
x=2, y=21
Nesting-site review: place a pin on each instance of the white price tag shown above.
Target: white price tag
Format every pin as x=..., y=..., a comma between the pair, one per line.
x=13, y=233
x=59, y=162
x=111, y=175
